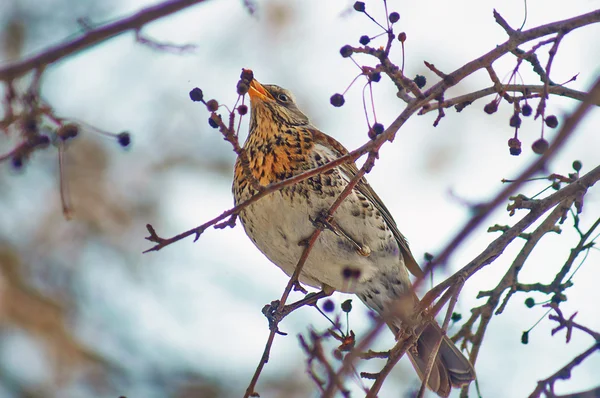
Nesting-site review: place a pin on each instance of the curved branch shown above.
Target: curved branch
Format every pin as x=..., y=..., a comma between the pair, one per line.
x=93, y=37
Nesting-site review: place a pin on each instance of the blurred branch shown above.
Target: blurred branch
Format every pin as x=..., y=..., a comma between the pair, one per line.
x=92, y=37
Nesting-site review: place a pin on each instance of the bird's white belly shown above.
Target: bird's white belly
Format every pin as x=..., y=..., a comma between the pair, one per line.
x=278, y=225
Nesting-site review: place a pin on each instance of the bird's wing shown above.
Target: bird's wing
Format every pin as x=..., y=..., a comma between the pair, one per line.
x=364, y=188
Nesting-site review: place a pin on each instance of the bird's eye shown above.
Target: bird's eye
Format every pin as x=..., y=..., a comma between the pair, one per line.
x=283, y=98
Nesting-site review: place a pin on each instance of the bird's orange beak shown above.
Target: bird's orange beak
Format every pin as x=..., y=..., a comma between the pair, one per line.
x=258, y=92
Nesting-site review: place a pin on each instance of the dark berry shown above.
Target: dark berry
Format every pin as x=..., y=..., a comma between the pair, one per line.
x=491, y=107
x=212, y=123
x=212, y=105
x=328, y=306
x=337, y=100
x=420, y=81
x=378, y=128
x=402, y=37
x=30, y=124
x=577, y=165
x=375, y=77
x=242, y=88
x=124, y=139
x=347, y=273
x=247, y=76
x=551, y=121
x=525, y=338
x=456, y=317
x=196, y=95
x=346, y=51
x=529, y=302
x=359, y=6
x=17, y=161
x=515, y=121
x=514, y=146
x=556, y=185
x=428, y=257
x=394, y=17
x=364, y=40
x=526, y=110
x=67, y=131
x=42, y=140
x=242, y=109
x=540, y=146
x=347, y=305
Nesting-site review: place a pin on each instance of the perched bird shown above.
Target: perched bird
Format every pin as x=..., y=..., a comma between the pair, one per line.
x=360, y=250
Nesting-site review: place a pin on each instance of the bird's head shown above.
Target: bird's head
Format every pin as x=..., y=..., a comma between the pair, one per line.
x=275, y=104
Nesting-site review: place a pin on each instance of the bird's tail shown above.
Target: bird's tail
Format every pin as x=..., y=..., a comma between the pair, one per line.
x=450, y=369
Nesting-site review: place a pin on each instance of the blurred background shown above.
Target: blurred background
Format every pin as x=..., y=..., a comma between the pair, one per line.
x=83, y=313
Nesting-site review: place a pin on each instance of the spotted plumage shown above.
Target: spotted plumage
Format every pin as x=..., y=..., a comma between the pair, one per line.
x=360, y=250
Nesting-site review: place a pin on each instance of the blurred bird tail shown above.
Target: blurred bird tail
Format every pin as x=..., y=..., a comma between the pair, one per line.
x=450, y=369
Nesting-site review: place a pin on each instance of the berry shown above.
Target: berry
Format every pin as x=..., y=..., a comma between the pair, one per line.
x=551, y=121
x=242, y=88
x=212, y=105
x=491, y=107
x=456, y=317
x=402, y=37
x=67, y=131
x=337, y=100
x=577, y=165
x=526, y=110
x=247, y=76
x=540, y=146
x=328, y=306
x=556, y=185
x=525, y=338
x=420, y=81
x=17, y=161
x=212, y=123
x=196, y=95
x=242, y=109
x=394, y=17
x=378, y=128
x=359, y=6
x=124, y=139
x=529, y=302
x=514, y=146
x=347, y=306
x=375, y=77
x=515, y=121
x=346, y=51
x=41, y=140
x=30, y=125
x=364, y=40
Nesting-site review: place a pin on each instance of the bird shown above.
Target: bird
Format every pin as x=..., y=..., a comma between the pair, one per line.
x=360, y=249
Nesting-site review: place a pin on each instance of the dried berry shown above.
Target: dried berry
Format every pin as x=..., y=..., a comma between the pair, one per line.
x=124, y=139
x=577, y=165
x=347, y=305
x=247, y=76
x=17, y=161
x=515, y=120
x=402, y=37
x=378, y=128
x=364, y=40
x=514, y=146
x=556, y=185
x=525, y=338
x=490, y=108
x=337, y=100
x=212, y=123
x=420, y=81
x=242, y=88
x=540, y=146
x=456, y=317
x=375, y=77
x=328, y=306
x=359, y=6
x=526, y=110
x=551, y=121
x=212, y=105
x=196, y=95
x=242, y=109
x=394, y=17
x=529, y=302
x=346, y=51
